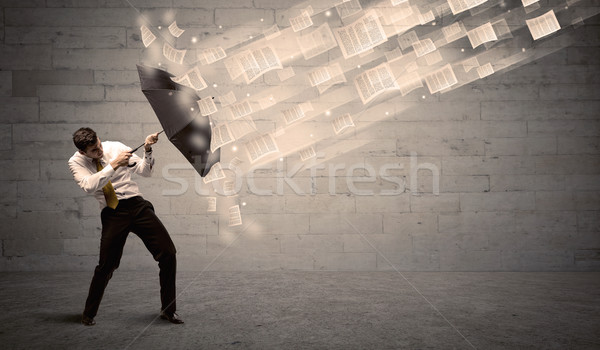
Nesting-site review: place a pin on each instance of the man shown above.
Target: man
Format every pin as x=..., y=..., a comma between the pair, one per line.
x=103, y=169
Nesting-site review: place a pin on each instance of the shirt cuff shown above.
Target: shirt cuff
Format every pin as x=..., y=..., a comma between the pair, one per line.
x=108, y=170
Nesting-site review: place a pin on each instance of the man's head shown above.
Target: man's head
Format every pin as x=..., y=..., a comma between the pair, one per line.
x=88, y=143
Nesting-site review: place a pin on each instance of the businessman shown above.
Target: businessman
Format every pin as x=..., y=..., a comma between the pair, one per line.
x=104, y=169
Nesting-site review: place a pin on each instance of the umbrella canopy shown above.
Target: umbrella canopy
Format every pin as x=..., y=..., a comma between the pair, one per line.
x=176, y=109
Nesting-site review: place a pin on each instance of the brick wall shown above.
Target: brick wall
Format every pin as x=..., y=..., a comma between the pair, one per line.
x=517, y=154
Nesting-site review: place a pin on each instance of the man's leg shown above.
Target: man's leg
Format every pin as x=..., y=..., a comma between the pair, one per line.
x=156, y=238
x=115, y=228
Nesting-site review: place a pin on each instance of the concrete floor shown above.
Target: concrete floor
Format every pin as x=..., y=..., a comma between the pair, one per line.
x=307, y=310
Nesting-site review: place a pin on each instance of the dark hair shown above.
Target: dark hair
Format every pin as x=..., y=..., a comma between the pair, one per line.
x=84, y=137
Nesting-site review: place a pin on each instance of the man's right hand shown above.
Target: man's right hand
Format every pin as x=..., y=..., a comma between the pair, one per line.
x=121, y=160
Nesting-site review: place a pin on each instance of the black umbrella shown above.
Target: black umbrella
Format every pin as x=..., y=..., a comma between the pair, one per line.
x=176, y=108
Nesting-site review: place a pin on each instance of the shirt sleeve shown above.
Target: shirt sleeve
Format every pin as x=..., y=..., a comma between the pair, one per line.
x=88, y=180
x=144, y=165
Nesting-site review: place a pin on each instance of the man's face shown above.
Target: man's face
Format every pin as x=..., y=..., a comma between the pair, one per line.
x=94, y=151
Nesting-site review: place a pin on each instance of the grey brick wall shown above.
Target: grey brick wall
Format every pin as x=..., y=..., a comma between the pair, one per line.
x=517, y=154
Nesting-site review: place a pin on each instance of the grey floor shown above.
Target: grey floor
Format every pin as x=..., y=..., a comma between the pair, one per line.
x=307, y=310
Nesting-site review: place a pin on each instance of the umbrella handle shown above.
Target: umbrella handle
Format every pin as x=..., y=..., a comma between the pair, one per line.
x=138, y=147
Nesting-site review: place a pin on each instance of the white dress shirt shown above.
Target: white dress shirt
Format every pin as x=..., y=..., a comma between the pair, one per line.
x=91, y=180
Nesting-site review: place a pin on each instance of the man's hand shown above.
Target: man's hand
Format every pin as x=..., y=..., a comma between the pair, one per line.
x=150, y=140
x=121, y=160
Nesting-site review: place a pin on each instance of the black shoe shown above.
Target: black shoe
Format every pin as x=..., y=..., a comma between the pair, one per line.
x=87, y=321
x=174, y=318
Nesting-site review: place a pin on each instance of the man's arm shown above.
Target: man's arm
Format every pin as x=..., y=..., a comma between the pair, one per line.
x=90, y=181
x=145, y=166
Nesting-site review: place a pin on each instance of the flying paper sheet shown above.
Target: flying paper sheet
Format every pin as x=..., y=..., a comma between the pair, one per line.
x=220, y=136
x=173, y=54
x=470, y=63
x=286, y=73
x=341, y=123
x=257, y=62
x=175, y=30
x=207, y=106
x=212, y=204
x=191, y=78
x=261, y=146
x=240, y=109
x=454, y=31
x=406, y=40
x=147, y=36
x=227, y=99
x=423, y=47
x=374, y=82
x=307, y=153
x=316, y=42
x=393, y=55
x=543, y=25
x=409, y=82
x=297, y=112
x=433, y=58
x=458, y=6
x=362, y=35
x=348, y=8
x=229, y=187
x=301, y=22
x=216, y=173
x=235, y=217
x=272, y=32
x=482, y=34
x=211, y=55
x=441, y=79
x=485, y=70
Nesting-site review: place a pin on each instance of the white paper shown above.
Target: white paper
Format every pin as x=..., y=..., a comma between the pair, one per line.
x=470, y=63
x=235, y=216
x=228, y=187
x=257, y=62
x=374, y=82
x=227, y=99
x=212, y=204
x=433, y=58
x=220, y=136
x=207, y=106
x=172, y=54
x=297, y=112
x=423, y=47
x=397, y=2
x=286, y=73
x=458, y=6
x=426, y=17
x=319, y=76
x=441, y=79
x=235, y=162
x=240, y=109
x=454, y=31
x=406, y=40
x=485, y=70
x=482, y=34
x=272, y=32
x=241, y=127
x=216, y=173
x=409, y=82
x=175, y=30
x=348, y=8
x=360, y=36
x=301, y=22
x=341, y=123
x=528, y=2
x=211, y=55
x=543, y=25
x=147, y=36
x=393, y=55
x=316, y=42
x=307, y=153
x=261, y=146
x=191, y=78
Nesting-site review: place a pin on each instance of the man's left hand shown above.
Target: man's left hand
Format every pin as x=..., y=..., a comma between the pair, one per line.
x=150, y=140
